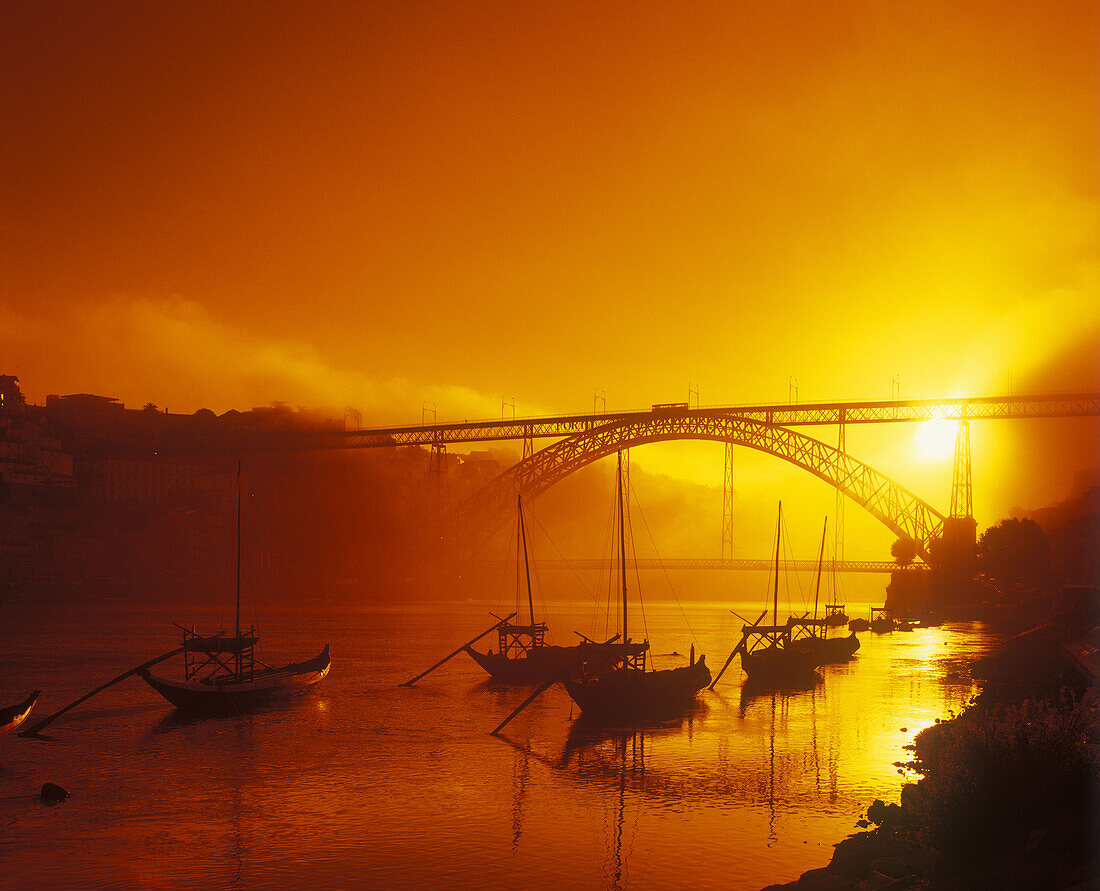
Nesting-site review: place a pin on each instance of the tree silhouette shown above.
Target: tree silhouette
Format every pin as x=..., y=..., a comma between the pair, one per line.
x=1015, y=552
x=904, y=551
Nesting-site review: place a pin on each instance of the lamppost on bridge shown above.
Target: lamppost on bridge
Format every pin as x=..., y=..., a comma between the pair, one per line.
x=599, y=395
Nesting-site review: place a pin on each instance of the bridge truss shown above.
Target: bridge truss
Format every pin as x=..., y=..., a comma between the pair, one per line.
x=809, y=414
x=895, y=506
x=583, y=438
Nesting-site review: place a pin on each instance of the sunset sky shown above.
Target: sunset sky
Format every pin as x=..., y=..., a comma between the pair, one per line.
x=382, y=204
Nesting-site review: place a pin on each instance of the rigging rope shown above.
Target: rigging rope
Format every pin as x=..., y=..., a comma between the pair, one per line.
x=664, y=569
x=502, y=582
x=637, y=575
x=593, y=595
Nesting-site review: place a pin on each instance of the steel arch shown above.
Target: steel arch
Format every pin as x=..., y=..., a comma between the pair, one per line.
x=892, y=504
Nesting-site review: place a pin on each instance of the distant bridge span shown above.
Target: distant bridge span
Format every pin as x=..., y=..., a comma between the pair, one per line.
x=584, y=438
x=896, y=507
x=756, y=564
x=785, y=415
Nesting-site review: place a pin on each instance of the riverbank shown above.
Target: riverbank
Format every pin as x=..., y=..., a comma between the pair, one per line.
x=1007, y=790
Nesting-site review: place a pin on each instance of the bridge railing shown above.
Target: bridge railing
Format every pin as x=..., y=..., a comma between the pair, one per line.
x=807, y=414
x=762, y=564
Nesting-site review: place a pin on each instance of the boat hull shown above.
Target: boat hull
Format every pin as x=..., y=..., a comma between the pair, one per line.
x=838, y=649
x=547, y=663
x=231, y=697
x=14, y=715
x=780, y=666
x=632, y=693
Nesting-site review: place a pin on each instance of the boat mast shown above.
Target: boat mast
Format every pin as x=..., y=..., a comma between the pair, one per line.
x=237, y=644
x=526, y=563
x=775, y=593
x=820, y=556
x=622, y=544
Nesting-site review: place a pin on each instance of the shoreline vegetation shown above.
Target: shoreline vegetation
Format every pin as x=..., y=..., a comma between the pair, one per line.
x=1008, y=790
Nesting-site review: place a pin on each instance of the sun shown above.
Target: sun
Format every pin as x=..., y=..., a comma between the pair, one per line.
x=935, y=439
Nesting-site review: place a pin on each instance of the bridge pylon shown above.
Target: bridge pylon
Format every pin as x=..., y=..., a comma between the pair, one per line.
x=727, y=505
x=957, y=549
x=838, y=524
x=437, y=470
x=962, y=486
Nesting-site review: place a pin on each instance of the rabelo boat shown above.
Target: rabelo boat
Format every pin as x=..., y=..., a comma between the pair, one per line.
x=620, y=686
x=222, y=674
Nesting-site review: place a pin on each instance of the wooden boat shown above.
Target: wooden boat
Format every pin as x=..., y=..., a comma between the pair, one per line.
x=541, y=663
x=881, y=621
x=859, y=624
x=230, y=691
x=523, y=656
x=222, y=674
x=835, y=615
x=930, y=619
x=826, y=650
x=619, y=685
x=815, y=638
x=838, y=649
x=14, y=715
x=629, y=691
x=777, y=664
x=768, y=654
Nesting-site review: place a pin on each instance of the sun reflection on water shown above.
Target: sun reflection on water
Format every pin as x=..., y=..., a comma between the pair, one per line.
x=369, y=783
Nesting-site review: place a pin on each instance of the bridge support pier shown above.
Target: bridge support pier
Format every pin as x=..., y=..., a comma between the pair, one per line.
x=838, y=525
x=958, y=548
x=962, y=491
x=437, y=468
x=727, y=505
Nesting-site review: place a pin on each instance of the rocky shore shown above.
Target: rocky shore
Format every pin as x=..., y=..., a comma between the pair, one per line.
x=1009, y=787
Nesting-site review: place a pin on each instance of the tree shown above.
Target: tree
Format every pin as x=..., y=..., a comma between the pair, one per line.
x=904, y=551
x=1015, y=552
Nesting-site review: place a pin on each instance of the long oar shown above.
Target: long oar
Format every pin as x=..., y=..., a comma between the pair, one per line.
x=33, y=731
x=542, y=688
x=546, y=685
x=459, y=650
x=737, y=649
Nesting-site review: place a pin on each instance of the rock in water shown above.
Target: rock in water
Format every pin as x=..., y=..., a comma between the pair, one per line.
x=53, y=794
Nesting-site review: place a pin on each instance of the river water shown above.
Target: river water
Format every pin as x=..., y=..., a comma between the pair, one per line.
x=366, y=784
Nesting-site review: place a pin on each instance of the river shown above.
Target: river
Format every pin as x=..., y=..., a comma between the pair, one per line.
x=368, y=784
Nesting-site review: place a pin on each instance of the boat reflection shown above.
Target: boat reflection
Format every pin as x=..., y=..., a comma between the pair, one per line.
x=588, y=734
x=178, y=719
x=751, y=689
x=521, y=776
x=616, y=757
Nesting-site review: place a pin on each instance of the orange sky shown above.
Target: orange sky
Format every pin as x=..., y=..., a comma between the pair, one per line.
x=226, y=204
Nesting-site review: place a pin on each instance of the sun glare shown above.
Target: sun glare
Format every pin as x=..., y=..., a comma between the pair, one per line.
x=935, y=439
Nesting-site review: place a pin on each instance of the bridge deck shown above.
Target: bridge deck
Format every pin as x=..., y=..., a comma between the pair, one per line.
x=809, y=414
x=763, y=564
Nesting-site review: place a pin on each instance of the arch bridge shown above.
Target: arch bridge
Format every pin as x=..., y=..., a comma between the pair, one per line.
x=767, y=429
x=893, y=505
x=584, y=438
